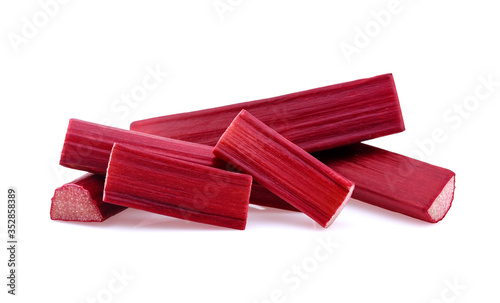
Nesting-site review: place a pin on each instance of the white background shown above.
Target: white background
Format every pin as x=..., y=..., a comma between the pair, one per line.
x=79, y=61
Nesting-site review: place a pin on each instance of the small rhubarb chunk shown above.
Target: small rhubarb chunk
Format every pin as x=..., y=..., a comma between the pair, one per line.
x=167, y=186
x=81, y=200
x=316, y=119
x=284, y=169
x=442, y=203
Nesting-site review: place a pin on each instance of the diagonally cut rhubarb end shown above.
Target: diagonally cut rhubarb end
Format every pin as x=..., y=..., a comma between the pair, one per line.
x=74, y=203
x=442, y=203
x=340, y=208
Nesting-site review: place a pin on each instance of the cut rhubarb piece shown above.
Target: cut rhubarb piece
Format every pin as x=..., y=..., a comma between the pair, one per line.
x=164, y=185
x=385, y=179
x=88, y=145
x=81, y=200
x=315, y=120
x=284, y=169
x=394, y=182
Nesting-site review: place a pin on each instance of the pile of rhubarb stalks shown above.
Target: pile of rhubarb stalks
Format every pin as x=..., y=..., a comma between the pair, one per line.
x=298, y=152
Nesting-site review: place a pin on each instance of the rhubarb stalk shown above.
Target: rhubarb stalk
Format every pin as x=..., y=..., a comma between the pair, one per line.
x=87, y=146
x=284, y=169
x=394, y=181
x=315, y=120
x=164, y=185
x=385, y=179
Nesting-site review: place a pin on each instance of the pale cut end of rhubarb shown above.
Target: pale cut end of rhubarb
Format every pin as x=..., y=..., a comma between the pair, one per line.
x=341, y=207
x=442, y=203
x=74, y=203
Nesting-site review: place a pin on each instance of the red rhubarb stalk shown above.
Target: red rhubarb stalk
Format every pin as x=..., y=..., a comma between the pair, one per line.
x=164, y=185
x=88, y=145
x=394, y=181
x=284, y=168
x=315, y=120
x=81, y=200
x=385, y=179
